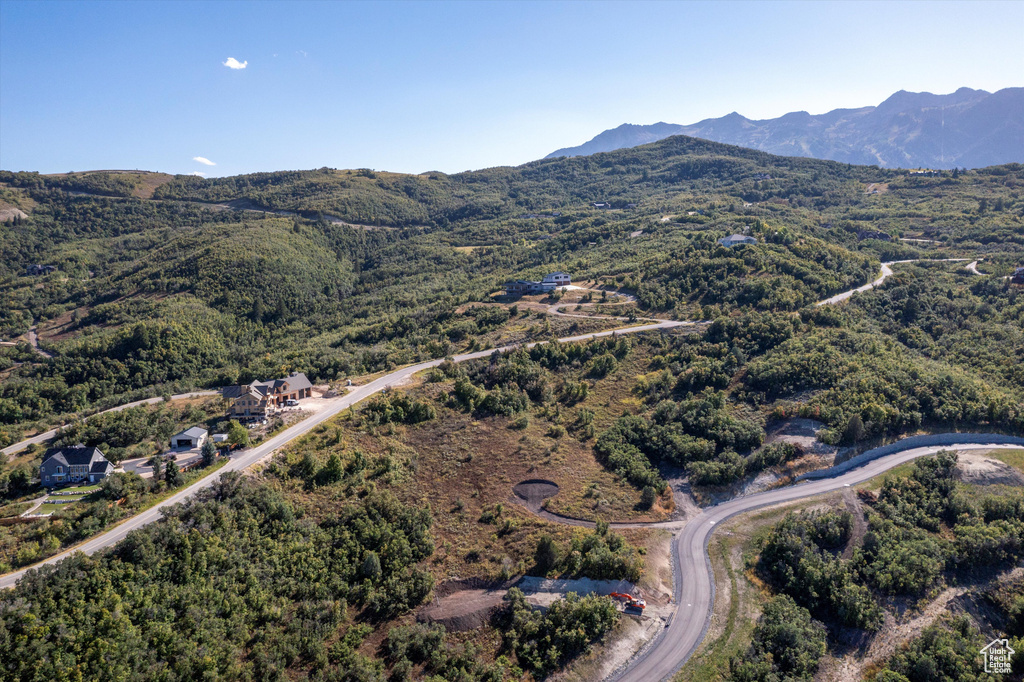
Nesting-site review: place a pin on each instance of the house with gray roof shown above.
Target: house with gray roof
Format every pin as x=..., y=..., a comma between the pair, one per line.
x=262, y=398
x=734, y=239
x=75, y=464
x=189, y=438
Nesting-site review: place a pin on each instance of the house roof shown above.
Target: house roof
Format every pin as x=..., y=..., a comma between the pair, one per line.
x=99, y=466
x=194, y=432
x=736, y=238
x=296, y=381
x=75, y=455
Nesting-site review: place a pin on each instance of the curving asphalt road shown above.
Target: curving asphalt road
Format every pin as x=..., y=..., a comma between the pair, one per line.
x=694, y=585
x=886, y=273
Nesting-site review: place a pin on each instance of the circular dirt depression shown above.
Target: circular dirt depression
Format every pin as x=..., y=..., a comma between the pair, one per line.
x=535, y=491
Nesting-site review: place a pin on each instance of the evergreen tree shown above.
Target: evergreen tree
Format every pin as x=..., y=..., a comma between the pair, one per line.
x=173, y=475
x=209, y=452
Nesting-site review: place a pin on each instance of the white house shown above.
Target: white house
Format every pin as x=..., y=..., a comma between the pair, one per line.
x=556, y=279
x=734, y=239
x=190, y=438
x=550, y=282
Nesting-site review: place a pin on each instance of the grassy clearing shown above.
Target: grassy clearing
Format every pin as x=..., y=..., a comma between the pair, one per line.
x=1014, y=458
x=71, y=492
x=460, y=467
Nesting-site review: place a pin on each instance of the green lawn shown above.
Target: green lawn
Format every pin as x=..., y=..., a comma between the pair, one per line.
x=80, y=490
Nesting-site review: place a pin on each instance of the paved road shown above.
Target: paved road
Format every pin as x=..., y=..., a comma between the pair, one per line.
x=247, y=458
x=48, y=435
x=694, y=588
x=886, y=273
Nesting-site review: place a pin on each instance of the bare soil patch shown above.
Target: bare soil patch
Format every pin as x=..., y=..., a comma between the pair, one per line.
x=10, y=213
x=464, y=610
x=979, y=469
x=860, y=522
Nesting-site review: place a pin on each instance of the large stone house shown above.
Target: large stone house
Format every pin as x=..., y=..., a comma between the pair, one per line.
x=75, y=464
x=262, y=398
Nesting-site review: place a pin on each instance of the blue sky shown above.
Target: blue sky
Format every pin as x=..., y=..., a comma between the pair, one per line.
x=418, y=86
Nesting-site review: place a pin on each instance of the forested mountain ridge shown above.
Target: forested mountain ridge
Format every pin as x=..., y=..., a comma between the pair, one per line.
x=252, y=292
x=969, y=128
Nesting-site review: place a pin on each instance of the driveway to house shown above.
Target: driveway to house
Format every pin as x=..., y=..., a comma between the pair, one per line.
x=246, y=458
x=48, y=435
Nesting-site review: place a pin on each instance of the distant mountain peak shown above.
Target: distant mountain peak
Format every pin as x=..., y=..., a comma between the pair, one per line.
x=971, y=128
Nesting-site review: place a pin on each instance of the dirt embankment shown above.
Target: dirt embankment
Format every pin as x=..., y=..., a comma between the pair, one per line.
x=860, y=522
x=977, y=468
x=461, y=605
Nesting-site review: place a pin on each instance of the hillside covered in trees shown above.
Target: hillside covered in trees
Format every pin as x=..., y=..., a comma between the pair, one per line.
x=168, y=284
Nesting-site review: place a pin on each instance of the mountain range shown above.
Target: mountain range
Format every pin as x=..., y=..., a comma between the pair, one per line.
x=967, y=128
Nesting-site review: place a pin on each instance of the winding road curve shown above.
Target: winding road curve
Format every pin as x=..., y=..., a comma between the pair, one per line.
x=694, y=579
x=694, y=584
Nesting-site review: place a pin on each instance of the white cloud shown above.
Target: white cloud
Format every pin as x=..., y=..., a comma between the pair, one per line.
x=233, y=63
x=203, y=160
x=198, y=173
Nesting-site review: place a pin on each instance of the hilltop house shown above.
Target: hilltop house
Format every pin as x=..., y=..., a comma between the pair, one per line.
x=874, y=234
x=550, y=282
x=189, y=438
x=74, y=464
x=262, y=398
x=37, y=269
x=1018, y=276
x=734, y=239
